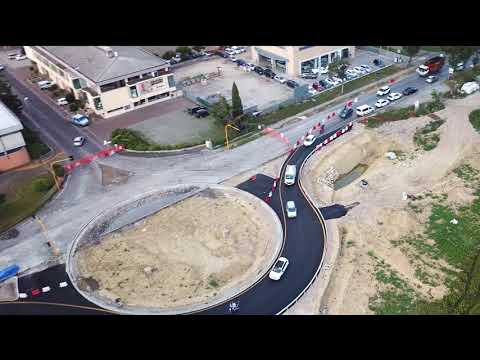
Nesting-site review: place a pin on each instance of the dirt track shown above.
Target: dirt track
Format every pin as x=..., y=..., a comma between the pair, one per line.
x=383, y=216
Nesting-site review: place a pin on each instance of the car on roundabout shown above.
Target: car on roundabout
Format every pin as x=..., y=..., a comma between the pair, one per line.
x=279, y=268
x=291, y=210
x=309, y=140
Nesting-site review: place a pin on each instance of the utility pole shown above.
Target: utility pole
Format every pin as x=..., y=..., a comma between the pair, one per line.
x=226, y=133
x=50, y=168
x=50, y=243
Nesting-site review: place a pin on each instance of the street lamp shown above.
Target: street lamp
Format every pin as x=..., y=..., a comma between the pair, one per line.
x=226, y=133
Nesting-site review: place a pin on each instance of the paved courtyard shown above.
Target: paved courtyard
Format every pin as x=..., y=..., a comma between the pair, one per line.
x=253, y=88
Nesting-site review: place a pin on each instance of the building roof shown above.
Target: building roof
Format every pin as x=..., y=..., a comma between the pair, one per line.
x=95, y=64
x=9, y=122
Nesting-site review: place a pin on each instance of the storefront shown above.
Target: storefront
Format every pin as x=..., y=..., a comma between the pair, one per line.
x=271, y=61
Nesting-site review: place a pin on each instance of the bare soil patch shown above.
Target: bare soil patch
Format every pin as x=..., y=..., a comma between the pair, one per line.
x=371, y=258
x=188, y=253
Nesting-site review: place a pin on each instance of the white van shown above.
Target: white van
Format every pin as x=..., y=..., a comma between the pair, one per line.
x=45, y=84
x=364, y=110
x=290, y=174
x=470, y=87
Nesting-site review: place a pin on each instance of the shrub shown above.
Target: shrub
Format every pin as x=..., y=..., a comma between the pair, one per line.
x=474, y=118
x=3, y=198
x=168, y=55
x=59, y=170
x=70, y=97
x=132, y=139
x=73, y=107
x=42, y=184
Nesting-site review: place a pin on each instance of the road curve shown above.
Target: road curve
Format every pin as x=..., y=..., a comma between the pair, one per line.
x=304, y=245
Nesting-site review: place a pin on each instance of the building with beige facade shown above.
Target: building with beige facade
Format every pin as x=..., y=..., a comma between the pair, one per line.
x=293, y=60
x=111, y=80
x=13, y=151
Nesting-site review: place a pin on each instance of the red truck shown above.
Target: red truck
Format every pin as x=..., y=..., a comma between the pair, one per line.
x=431, y=66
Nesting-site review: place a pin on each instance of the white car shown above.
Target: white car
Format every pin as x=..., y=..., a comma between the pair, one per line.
x=233, y=58
x=360, y=70
x=62, y=102
x=351, y=73
x=291, y=210
x=469, y=87
x=323, y=70
x=312, y=92
x=279, y=268
x=332, y=81
x=78, y=141
x=364, y=110
x=381, y=103
x=278, y=78
x=366, y=68
x=251, y=67
x=20, y=57
x=309, y=140
x=45, y=84
x=383, y=91
x=337, y=80
x=394, y=96
x=2, y=67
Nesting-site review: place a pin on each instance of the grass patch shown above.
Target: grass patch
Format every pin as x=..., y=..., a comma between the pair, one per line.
x=467, y=173
x=35, y=147
x=425, y=137
x=474, y=118
x=27, y=200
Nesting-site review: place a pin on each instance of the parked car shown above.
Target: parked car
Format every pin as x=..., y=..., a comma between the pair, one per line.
x=324, y=84
x=62, y=102
x=292, y=84
x=193, y=110
x=309, y=140
x=431, y=79
x=12, y=56
x=251, y=67
x=201, y=113
x=269, y=73
x=78, y=141
x=208, y=53
x=360, y=70
x=384, y=90
x=378, y=62
x=351, y=73
x=80, y=120
x=279, y=268
x=291, y=210
x=332, y=82
x=337, y=79
x=259, y=70
x=280, y=79
x=460, y=66
x=394, y=96
x=232, y=58
x=20, y=57
x=309, y=75
x=241, y=62
x=312, y=91
x=323, y=70
x=366, y=68
x=364, y=110
x=346, y=112
x=2, y=67
x=45, y=84
x=409, y=91
x=381, y=103
x=469, y=87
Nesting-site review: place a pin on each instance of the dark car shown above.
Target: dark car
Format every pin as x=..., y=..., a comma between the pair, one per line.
x=409, y=91
x=377, y=62
x=324, y=84
x=309, y=75
x=269, y=73
x=259, y=70
x=240, y=62
x=193, y=111
x=221, y=54
x=201, y=113
x=292, y=84
x=346, y=112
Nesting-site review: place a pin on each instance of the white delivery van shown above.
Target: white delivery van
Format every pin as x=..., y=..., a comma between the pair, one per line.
x=290, y=174
x=364, y=110
x=470, y=87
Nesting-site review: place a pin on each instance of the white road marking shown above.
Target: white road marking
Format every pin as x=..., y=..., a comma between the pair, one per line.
x=22, y=296
x=63, y=284
x=46, y=289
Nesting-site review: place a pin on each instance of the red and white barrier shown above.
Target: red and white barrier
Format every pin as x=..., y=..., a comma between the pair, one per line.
x=63, y=284
x=281, y=136
x=89, y=158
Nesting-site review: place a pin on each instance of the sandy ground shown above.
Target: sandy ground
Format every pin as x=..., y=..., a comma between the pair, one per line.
x=187, y=253
x=382, y=215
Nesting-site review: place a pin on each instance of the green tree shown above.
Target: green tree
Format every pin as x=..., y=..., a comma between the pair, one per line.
x=221, y=111
x=436, y=97
x=411, y=51
x=237, y=107
x=184, y=51
x=10, y=100
x=168, y=55
x=198, y=48
x=338, y=68
x=70, y=97
x=457, y=54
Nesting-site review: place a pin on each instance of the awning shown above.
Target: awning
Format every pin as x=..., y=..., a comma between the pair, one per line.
x=270, y=55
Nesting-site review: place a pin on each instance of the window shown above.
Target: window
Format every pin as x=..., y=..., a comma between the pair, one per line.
x=134, y=79
x=281, y=66
x=157, y=97
x=171, y=81
x=345, y=53
x=98, y=103
x=133, y=92
x=112, y=86
x=138, y=103
x=324, y=60
x=110, y=111
x=76, y=84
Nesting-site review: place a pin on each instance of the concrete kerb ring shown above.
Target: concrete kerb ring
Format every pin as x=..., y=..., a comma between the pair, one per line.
x=118, y=207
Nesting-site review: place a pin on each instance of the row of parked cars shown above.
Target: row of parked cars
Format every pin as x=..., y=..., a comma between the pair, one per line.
x=364, y=110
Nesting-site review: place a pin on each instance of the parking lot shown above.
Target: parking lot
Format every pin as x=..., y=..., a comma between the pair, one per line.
x=253, y=88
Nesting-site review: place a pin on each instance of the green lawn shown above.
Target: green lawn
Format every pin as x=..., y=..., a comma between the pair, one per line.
x=474, y=118
x=24, y=201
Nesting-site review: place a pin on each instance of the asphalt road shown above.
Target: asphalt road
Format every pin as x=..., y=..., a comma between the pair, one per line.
x=54, y=126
